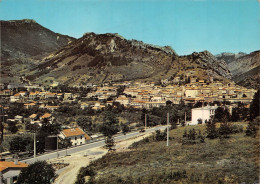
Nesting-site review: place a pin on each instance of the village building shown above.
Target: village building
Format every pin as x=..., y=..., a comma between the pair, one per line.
x=76, y=135
x=47, y=116
x=202, y=113
x=11, y=170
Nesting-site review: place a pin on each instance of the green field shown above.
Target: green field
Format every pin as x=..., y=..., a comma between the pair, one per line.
x=231, y=160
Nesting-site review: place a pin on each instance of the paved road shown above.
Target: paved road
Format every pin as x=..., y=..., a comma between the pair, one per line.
x=69, y=151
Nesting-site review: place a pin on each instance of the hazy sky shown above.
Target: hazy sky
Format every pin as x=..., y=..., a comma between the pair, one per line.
x=185, y=25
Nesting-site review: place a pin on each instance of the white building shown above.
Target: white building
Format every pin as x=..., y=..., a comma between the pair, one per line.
x=203, y=113
x=75, y=135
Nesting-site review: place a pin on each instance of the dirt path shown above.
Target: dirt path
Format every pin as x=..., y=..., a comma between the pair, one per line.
x=82, y=159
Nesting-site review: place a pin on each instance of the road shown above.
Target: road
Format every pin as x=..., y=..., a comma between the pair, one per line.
x=80, y=148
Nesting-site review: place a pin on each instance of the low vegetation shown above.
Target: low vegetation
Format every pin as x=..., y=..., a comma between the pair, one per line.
x=190, y=158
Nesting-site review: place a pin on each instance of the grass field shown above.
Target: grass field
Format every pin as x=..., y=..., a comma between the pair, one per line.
x=232, y=160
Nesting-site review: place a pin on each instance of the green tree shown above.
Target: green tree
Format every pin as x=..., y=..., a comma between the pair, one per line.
x=160, y=136
x=254, y=107
x=38, y=172
x=20, y=144
x=110, y=142
x=12, y=127
x=85, y=123
x=110, y=124
x=64, y=143
x=253, y=127
x=125, y=128
x=221, y=113
x=53, y=128
x=211, y=129
x=225, y=128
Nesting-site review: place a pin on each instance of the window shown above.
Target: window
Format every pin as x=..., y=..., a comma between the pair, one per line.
x=75, y=138
x=80, y=137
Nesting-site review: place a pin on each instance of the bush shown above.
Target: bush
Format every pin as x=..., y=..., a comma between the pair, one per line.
x=84, y=171
x=253, y=127
x=211, y=130
x=160, y=136
x=192, y=137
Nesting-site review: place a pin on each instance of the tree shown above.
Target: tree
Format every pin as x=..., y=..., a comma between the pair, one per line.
x=109, y=128
x=225, y=128
x=53, y=128
x=160, y=136
x=12, y=127
x=64, y=143
x=20, y=144
x=211, y=129
x=254, y=107
x=125, y=128
x=38, y=172
x=110, y=125
x=110, y=142
x=253, y=127
x=221, y=114
x=85, y=123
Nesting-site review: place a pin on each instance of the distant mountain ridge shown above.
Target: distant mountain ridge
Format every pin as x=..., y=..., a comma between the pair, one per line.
x=109, y=57
x=244, y=67
x=24, y=43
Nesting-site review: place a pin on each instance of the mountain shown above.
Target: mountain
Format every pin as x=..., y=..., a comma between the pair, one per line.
x=230, y=57
x=24, y=43
x=244, y=68
x=109, y=57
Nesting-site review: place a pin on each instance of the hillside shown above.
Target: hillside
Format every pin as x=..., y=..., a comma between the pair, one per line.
x=244, y=68
x=232, y=160
x=109, y=57
x=24, y=43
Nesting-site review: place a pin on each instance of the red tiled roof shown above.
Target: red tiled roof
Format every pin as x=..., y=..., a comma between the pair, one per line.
x=5, y=165
x=73, y=132
x=46, y=115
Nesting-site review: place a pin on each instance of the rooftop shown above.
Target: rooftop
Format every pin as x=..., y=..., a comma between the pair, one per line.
x=5, y=165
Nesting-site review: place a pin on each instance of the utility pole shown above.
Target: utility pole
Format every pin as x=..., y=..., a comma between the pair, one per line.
x=34, y=146
x=185, y=118
x=57, y=147
x=168, y=129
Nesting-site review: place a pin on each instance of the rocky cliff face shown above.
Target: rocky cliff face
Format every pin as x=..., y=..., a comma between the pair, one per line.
x=230, y=57
x=244, y=68
x=25, y=42
x=217, y=68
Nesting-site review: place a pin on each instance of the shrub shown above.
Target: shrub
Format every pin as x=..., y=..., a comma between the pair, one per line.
x=253, y=127
x=160, y=136
x=211, y=129
x=84, y=171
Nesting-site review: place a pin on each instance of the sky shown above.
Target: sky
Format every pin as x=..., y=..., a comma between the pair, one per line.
x=185, y=25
